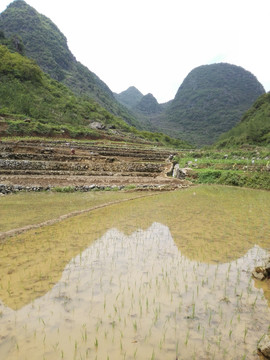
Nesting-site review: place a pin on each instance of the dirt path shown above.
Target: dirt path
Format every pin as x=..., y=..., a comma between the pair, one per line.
x=5, y=235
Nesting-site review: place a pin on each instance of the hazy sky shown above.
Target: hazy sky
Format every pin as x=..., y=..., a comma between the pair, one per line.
x=154, y=44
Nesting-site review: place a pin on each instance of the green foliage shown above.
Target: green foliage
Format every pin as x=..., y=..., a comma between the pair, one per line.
x=14, y=43
x=130, y=97
x=247, y=167
x=233, y=178
x=16, y=66
x=208, y=176
x=210, y=101
x=48, y=47
x=148, y=105
x=254, y=127
x=41, y=106
x=65, y=189
x=26, y=90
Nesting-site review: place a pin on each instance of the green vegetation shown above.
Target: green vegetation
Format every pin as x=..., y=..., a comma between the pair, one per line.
x=211, y=100
x=129, y=97
x=235, y=178
x=254, y=127
x=146, y=109
x=45, y=44
x=141, y=105
x=31, y=103
x=247, y=167
x=14, y=43
x=148, y=105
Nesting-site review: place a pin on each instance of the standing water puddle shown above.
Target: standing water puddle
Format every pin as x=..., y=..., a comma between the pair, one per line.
x=141, y=296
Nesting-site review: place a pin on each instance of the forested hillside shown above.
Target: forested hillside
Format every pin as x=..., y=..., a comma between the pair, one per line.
x=254, y=127
x=211, y=100
x=32, y=103
x=44, y=43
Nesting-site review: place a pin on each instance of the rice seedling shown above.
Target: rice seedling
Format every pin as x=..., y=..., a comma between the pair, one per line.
x=187, y=337
x=193, y=311
x=245, y=334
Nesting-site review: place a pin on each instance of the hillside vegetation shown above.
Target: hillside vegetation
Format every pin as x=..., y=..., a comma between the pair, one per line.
x=45, y=44
x=145, y=108
x=129, y=97
x=242, y=166
x=32, y=103
x=148, y=105
x=254, y=127
x=211, y=100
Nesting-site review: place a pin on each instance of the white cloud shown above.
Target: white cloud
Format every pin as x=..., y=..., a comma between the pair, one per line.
x=153, y=44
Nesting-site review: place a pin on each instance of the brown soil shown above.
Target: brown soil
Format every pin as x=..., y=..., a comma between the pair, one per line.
x=58, y=163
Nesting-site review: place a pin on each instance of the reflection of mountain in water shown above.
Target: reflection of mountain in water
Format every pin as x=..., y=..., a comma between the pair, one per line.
x=210, y=225
x=141, y=285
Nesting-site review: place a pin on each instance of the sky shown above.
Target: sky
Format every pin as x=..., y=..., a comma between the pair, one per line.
x=154, y=44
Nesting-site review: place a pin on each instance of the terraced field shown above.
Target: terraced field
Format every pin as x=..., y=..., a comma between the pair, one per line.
x=60, y=163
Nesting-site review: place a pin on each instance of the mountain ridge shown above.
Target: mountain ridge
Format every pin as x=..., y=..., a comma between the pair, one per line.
x=210, y=101
x=148, y=105
x=129, y=97
x=46, y=44
x=34, y=104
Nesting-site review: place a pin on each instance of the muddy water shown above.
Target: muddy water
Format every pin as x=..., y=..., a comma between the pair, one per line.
x=162, y=278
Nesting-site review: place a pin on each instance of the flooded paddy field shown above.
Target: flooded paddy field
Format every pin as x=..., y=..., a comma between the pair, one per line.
x=161, y=277
x=30, y=208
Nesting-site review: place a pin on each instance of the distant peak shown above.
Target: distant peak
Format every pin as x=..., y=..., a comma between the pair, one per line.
x=129, y=97
x=23, y=6
x=149, y=95
x=133, y=90
x=148, y=105
x=18, y=3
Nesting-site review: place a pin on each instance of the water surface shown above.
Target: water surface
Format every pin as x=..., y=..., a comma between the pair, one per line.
x=164, y=277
